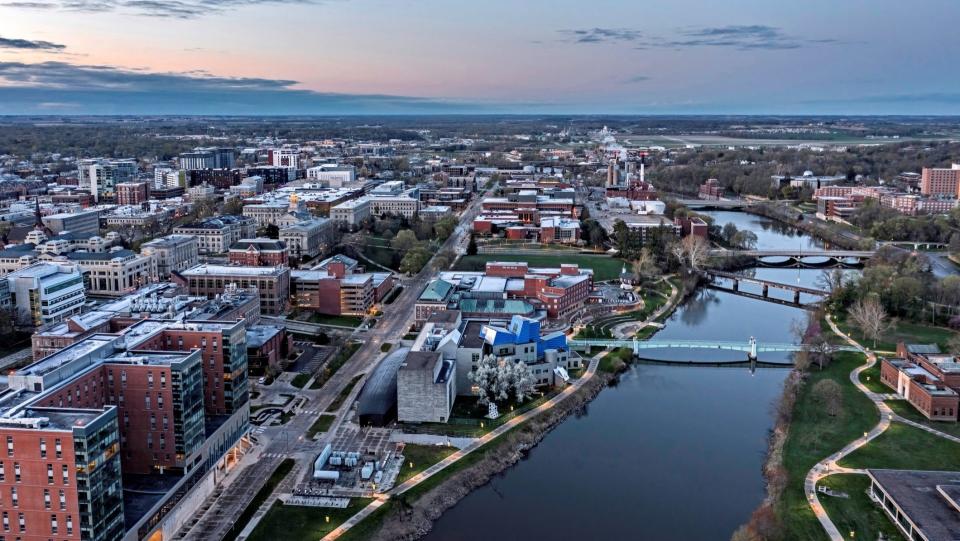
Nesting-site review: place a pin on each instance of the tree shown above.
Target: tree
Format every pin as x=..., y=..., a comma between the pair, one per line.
x=415, y=259
x=443, y=260
x=472, y=245
x=404, y=241
x=644, y=266
x=728, y=232
x=870, y=317
x=829, y=394
x=271, y=231
x=522, y=381
x=696, y=251
x=484, y=378
x=445, y=227
x=955, y=244
x=234, y=206
x=745, y=240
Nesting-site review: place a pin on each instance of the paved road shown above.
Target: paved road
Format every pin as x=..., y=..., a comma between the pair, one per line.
x=287, y=440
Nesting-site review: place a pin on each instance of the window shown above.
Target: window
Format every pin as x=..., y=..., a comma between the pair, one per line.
x=63, y=501
x=50, y=474
x=43, y=448
x=159, y=400
x=46, y=498
x=22, y=521
x=9, y=445
x=14, y=497
x=150, y=379
x=6, y=521
x=66, y=475
x=163, y=379
x=69, y=525
x=16, y=471
x=2, y=472
x=53, y=524
x=123, y=377
x=146, y=401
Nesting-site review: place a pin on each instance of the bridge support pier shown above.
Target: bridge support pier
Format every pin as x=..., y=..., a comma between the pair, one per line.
x=766, y=290
x=752, y=354
x=796, y=297
x=736, y=285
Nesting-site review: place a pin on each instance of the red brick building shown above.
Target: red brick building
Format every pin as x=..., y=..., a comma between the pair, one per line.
x=926, y=378
x=937, y=181
x=132, y=193
x=560, y=290
x=259, y=252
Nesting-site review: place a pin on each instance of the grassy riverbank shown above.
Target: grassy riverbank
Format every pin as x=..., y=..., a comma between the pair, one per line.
x=814, y=434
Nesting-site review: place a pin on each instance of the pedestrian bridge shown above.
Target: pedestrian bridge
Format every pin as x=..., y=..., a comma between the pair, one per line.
x=750, y=347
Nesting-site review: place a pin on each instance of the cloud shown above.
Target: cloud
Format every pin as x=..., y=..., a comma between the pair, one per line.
x=26, y=44
x=176, y=9
x=740, y=37
x=97, y=89
x=743, y=37
x=636, y=79
x=601, y=35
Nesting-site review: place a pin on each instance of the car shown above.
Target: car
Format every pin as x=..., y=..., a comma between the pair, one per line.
x=261, y=381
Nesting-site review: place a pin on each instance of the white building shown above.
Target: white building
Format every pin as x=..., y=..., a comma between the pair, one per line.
x=216, y=235
x=45, y=293
x=288, y=157
x=351, y=213
x=114, y=273
x=334, y=176
x=309, y=238
x=172, y=253
x=101, y=176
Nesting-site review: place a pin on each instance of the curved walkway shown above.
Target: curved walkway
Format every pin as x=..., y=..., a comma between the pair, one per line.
x=621, y=330
x=458, y=455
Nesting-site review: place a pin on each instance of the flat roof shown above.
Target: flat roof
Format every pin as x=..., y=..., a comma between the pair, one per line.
x=225, y=270
x=918, y=495
x=420, y=360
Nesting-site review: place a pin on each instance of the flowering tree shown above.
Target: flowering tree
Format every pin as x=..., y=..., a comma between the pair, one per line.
x=495, y=380
x=522, y=381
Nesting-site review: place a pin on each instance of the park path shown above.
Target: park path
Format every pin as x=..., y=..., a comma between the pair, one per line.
x=620, y=330
x=382, y=499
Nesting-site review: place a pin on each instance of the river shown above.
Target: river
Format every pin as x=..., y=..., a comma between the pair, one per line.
x=671, y=452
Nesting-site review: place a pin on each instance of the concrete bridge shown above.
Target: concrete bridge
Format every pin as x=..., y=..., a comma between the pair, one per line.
x=765, y=285
x=715, y=203
x=750, y=347
x=794, y=258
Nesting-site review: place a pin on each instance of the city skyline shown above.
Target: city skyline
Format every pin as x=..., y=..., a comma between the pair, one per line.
x=429, y=56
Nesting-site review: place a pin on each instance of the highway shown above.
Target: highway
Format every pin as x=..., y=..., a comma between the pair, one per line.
x=287, y=440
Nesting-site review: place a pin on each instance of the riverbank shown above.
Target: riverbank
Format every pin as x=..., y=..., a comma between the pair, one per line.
x=411, y=515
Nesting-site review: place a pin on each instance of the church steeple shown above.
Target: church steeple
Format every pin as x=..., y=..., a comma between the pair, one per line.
x=37, y=222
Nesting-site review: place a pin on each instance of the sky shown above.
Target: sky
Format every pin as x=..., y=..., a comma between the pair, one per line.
x=271, y=57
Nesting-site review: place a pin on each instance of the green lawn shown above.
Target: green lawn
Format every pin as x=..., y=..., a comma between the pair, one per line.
x=468, y=418
x=905, y=410
x=293, y=523
x=275, y=478
x=857, y=513
x=814, y=434
x=337, y=402
x=616, y=361
x=871, y=379
x=604, y=268
x=322, y=424
x=905, y=447
x=300, y=380
x=342, y=321
x=911, y=333
x=417, y=458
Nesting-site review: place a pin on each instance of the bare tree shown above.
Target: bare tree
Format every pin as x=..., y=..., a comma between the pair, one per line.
x=831, y=280
x=830, y=395
x=870, y=317
x=645, y=265
x=697, y=251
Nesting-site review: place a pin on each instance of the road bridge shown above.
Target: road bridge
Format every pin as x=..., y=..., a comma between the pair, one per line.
x=801, y=258
x=715, y=203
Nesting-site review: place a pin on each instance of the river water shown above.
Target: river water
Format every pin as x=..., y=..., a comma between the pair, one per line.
x=671, y=452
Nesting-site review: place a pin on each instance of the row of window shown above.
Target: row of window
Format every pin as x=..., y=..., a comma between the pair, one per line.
x=18, y=473
x=22, y=523
x=58, y=447
x=15, y=498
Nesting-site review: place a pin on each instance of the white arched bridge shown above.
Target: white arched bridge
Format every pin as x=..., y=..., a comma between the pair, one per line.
x=751, y=347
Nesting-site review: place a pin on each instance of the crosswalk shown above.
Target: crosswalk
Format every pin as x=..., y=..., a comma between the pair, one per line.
x=274, y=455
x=258, y=430
x=310, y=412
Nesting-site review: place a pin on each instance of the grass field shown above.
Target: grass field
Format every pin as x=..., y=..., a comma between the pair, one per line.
x=300, y=380
x=322, y=424
x=417, y=458
x=905, y=447
x=910, y=333
x=604, y=268
x=814, y=434
x=292, y=523
x=905, y=410
x=856, y=513
x=871, y=379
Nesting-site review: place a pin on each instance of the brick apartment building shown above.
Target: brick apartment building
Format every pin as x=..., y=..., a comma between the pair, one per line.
x=940, y=181
x=259, y=252
x=926, y=378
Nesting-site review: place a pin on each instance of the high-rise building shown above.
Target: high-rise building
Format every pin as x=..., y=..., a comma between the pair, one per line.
x=940, y=181
x=101, y=176
x=44, y=293
x=132, y=193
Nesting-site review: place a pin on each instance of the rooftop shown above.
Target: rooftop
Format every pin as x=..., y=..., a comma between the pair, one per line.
x=926, y=497
x=225, y=270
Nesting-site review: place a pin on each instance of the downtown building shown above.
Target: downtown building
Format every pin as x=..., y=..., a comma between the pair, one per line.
x=119, y=436
x=272, y=283
x=216, y=235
